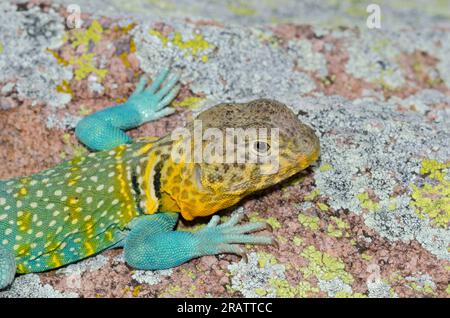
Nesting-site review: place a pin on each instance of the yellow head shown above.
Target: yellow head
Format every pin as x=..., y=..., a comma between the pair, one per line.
x=235, y=149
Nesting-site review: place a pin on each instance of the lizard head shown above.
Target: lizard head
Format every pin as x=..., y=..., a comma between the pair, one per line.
x=245, y=147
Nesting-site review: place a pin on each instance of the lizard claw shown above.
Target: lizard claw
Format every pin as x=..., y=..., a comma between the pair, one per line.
x=244, y=257
x=275, y=244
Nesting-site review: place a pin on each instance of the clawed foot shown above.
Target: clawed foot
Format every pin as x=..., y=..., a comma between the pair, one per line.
x=151, y=101
x=218, y=238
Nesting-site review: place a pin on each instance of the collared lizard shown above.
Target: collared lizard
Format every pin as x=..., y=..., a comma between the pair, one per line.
x=129, y=193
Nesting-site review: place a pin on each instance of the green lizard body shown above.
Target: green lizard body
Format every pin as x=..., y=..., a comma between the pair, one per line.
x=131, y=193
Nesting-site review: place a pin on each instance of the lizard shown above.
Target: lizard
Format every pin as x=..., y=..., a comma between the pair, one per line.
x=130, y=193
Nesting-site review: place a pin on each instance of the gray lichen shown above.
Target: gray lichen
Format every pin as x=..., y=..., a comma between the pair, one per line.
x=334, y=286
x=26, y=35
x=248, y=277
x=151, y=277
x=30, y=286
x=239, y=66
x=379, y=289
x=373, y=148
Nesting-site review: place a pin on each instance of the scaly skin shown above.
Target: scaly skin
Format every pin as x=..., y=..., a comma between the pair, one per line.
x=130, y=193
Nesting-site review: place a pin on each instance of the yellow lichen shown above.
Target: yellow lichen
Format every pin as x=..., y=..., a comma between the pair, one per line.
x=84, y=67
x=164, y=40
x=64, y=88
x=324, y=266
x=191, y=102
x=58, y=57
x=1, y=48
x=83, y=37
x=432, y=199
x=322, y=206
x=84, y=64
x=192, y=47
x=136, y=290
x=311, y=222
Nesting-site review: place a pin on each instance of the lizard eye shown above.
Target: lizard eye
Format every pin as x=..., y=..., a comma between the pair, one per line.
x=261, y=146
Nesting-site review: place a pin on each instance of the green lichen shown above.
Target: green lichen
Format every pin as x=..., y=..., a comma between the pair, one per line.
x=274, y=223
x=311, y=222
x=448, y=289
x=241, y=8
x=366, y=202
x=339, y=228
x=432, y=199
x=261, y=292
x=266, y=258
x=282, y=239
x=77, y=150
x=342, y=294
x=193, y=47
x=312, y=195
x=322, y=206
x=325, y=167
x=284, y=289
x=84, y=111
x=324, y=266
x=297, y=241
x=1, y=48
x=380, y=46
x=426, y=288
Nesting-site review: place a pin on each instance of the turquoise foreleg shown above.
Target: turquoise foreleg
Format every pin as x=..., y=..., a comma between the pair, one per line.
x=152, y=245
x=105, y=129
